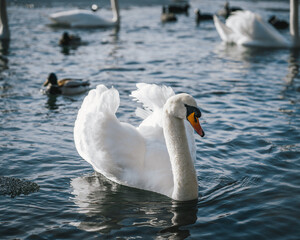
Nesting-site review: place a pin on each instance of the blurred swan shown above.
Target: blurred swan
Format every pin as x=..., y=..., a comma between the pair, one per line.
x=66, y=86
x=86, y=18
x=158, y=155
x=249, y=29
x=4, y=29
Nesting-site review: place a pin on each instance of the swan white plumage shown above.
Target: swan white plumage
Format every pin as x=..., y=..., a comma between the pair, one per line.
x=158, y=155
x=85, y=18
x=4, y=29
x=249, y=29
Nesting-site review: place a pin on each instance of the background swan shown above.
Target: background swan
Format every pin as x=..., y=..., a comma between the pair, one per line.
x=86, y=18
x=249, y=29
x=4, y=29
x=158, y=155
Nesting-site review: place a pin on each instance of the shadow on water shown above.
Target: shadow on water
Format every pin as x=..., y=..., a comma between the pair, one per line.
x=107, y=206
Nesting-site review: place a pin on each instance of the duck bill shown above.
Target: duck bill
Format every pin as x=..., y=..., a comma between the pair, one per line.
x=46, y=83
x=194, y=121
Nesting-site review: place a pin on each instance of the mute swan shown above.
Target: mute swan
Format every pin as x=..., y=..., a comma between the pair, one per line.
x=158, y=155
x=85, y=18
x=4, y=29
x=249, y=29
x=67, y=86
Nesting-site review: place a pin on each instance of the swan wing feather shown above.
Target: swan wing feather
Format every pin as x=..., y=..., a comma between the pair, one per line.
x=113, y=148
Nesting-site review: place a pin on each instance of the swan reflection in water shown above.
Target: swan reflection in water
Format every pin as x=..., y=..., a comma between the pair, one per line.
x=108, y=206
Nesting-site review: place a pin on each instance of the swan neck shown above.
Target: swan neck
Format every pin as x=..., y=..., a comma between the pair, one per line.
x=115, y=10
x=294, y=21
x=184, y=173
x=4, y=30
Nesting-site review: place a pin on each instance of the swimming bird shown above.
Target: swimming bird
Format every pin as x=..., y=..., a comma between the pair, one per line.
x=202, y=17
x=278, y=23
x=66, y=86
x=249, y=29
x=227, y=10
x=4, y=28
x=178, y=8
x=69, y=40
x=166, y=16
x=86, y=19
x=158, y=155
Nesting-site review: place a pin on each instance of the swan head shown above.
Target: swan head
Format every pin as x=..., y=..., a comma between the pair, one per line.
x=52, y=79
x=184, y=106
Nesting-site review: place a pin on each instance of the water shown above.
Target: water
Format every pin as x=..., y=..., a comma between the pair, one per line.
x=247, y=164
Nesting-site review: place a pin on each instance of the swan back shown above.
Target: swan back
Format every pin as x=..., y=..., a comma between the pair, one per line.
x=249, y=29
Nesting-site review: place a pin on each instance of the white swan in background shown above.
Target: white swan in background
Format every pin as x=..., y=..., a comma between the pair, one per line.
x=158, y=155
x=4, y=29
x=249, y=29
x=86, y=18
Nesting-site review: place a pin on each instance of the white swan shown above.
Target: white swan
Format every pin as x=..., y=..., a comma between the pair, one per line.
x=249, y=29
x=86, y=18
x=4, y=29
x=158, y=155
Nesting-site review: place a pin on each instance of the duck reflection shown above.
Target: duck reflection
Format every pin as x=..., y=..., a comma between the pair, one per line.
x=108, y=206
x=51, y=102
x=4, y=47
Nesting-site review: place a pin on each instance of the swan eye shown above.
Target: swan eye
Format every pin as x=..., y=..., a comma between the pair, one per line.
x=190, y=110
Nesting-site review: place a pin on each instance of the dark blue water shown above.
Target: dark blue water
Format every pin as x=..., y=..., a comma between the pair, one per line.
x=248, y=164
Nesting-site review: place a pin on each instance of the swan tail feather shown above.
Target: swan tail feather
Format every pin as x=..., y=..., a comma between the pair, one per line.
x=152, y=97
x=222, y=29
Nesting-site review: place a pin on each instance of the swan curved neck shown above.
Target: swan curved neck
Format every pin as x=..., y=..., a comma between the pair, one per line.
x=184, y=173
x=4, y=30
x=115, y=10
x=294, y=22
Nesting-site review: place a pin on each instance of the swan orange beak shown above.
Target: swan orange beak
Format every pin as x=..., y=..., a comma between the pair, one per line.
x=194, y=121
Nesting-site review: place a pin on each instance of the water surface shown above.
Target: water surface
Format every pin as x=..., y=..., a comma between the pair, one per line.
x=247, y=164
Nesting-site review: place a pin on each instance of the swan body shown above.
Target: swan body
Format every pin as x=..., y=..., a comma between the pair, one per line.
x=158, y=155
x=66, y=86
x=85, y=18
x=249, y=29
x=4, y=28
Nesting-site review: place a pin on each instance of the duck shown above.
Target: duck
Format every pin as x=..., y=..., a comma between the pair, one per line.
x=249, y=29
x=69, y=40
x=66, y=86
x=166, y=16
x=227, y=10
x=158, y=155
x=202, y=17
x=278, y=23
x=79, y=18
x=178, y=8
x=4, y=28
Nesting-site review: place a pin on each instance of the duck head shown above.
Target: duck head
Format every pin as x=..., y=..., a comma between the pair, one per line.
x=52, y=79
